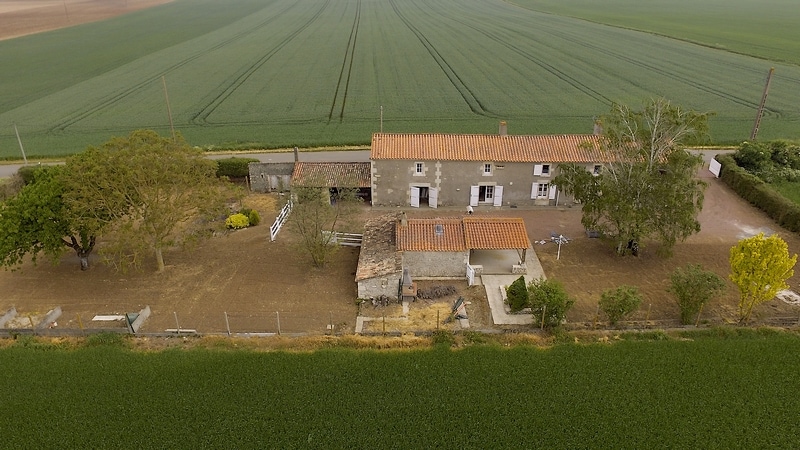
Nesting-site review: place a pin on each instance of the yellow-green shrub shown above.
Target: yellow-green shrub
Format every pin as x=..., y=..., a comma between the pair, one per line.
x=237, y=221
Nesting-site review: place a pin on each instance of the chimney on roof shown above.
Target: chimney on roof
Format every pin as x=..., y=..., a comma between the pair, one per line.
x=503, y=128
x=403, y=219
x=597, y=130
x=296, y=155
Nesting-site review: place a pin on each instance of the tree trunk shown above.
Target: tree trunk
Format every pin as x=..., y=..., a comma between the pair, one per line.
x=84, y=262
x=159, y=260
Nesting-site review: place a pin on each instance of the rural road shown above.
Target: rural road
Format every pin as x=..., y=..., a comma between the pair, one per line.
x=6, y=170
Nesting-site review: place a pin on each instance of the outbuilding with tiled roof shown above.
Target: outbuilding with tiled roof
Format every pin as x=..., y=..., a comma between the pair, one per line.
x=432, y=170
x=431, y=248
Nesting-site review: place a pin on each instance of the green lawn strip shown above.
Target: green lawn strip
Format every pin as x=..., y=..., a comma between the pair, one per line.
x=709, y=392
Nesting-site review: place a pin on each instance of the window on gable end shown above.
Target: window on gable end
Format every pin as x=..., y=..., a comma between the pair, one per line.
x=419, y=168
x=487, y=169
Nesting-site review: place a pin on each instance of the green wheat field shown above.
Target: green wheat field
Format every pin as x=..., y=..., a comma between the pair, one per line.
x=280, y=73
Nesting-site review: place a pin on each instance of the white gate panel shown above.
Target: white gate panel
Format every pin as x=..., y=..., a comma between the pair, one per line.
x=498, y=196
x=474, y=191
x=433, y=197
x=470, y=275
x=714, y=167
x=415, y=197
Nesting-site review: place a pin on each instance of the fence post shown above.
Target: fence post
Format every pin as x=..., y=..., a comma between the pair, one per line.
x=227, y=324
x=647, y=317
x=278, y=314
x=177, y=325
x=544, y=313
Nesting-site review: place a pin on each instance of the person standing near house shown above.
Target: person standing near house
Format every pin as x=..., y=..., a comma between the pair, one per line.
x=469, y=210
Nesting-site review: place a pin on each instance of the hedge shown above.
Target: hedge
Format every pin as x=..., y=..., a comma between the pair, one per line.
x=760, y=194
x=234, y=167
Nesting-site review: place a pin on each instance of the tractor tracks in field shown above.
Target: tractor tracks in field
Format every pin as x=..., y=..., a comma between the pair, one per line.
x=120, y=95
x=466, y=93
x=201, y=116
x=347, y=67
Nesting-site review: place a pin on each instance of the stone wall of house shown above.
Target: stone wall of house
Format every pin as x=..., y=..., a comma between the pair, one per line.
x=384, y=285
x=392, y=181
x=436, y=264
x=270, y=177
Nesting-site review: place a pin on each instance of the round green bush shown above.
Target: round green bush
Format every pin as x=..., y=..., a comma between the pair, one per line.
x=237, y=221
x=254, y=218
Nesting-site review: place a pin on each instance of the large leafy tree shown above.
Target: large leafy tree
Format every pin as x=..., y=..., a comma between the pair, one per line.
x=760, y=267
x=152, y=193
x=647, y=188
x=37, y=221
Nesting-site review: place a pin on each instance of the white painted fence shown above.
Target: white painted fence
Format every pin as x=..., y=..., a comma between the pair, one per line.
x=279, y=221
x=346, y=239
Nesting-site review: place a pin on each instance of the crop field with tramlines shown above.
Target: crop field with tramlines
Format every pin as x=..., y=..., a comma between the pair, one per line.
x=275, y=73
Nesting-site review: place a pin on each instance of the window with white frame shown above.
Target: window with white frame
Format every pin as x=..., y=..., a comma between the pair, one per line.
x=542, y=190
x=542, y=170
x=487, y=169
x=419, y=169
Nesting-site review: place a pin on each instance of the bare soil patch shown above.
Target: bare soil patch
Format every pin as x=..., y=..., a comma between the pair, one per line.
x=241, y=273
x=258, y=282
x=24, y=17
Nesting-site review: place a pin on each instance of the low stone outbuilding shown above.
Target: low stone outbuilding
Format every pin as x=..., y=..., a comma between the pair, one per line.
x=437, y=248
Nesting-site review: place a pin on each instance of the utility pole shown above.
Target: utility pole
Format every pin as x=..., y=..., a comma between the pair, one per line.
x=25, y=158
x=169, y=110
x=760, y=112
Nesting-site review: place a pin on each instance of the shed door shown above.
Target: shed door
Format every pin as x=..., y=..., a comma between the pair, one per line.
x=498, y=196
x=473, y=195
x=433, y=197
x=415, y=197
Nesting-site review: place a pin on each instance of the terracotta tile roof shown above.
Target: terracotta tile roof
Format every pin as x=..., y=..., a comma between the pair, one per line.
x=577, y=148
x=378, y=255
x=495, y=233
x=481, y=233
x=431, y=235
x=331, y=174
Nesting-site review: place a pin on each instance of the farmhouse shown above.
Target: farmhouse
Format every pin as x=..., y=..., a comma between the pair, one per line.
x=435, y=170
x=430, y=248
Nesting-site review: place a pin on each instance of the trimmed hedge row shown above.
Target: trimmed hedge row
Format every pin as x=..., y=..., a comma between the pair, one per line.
x=760, y=194
x=234, y=167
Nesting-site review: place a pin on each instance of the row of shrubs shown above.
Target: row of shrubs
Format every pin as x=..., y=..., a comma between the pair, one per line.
x=692, y=287
x=246, y=217
x=759, y=193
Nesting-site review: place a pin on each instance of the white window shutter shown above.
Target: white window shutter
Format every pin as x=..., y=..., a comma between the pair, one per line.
x=553, y=191
x=534, y=190
x=498, y=196
x=537, y=169
x=474, y=191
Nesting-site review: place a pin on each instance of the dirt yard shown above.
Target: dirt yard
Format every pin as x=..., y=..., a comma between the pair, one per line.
x=258, y=282
x=23, y=17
